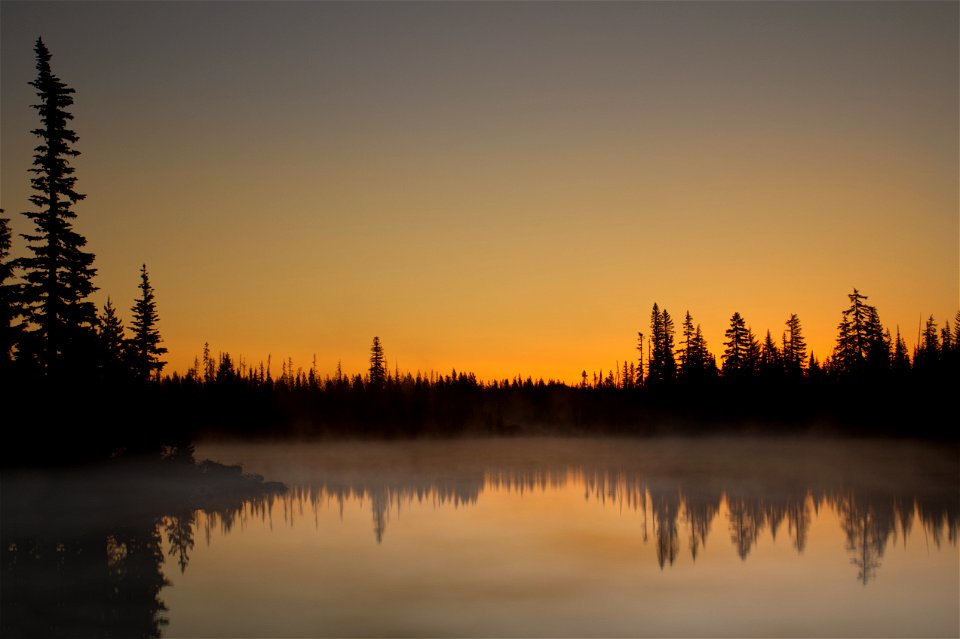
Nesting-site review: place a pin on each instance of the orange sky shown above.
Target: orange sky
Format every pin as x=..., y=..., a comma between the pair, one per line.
x=505, y=188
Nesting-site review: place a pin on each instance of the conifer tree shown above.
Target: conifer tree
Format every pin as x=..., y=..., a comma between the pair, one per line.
x=145, y=349
x=113, y=346
x=58, y=277
x=901, y=359
x=687, y=353
x=771, y=359
x=378, y=371
x=794, y=347
x=696, y=362
x=860, y=339
x=928, y=351
x=640, y=376
x=662, y=367
x=8, y=332
x=736, y=354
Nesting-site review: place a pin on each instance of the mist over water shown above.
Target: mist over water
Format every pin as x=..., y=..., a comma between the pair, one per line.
x=599, y=537
x=504, y=537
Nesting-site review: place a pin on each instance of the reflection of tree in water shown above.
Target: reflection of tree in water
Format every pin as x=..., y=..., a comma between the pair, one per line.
x=867, y=526
x=765, y=485
x=746, y=523
x=82, y=556
x=179, y=530
x=867, y=520
x=666, y=512
x=700, y=508
x=798, y=522
x=103, y=583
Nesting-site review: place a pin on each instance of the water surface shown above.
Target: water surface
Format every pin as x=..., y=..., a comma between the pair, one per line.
x=569, y=537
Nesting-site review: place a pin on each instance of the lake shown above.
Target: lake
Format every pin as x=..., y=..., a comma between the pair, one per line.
x=508, y=537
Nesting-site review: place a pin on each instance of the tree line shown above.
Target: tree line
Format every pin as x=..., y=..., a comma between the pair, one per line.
x=64, y=360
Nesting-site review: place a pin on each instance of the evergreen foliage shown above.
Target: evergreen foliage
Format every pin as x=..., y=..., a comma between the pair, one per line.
x=8, y=332
x=58, y=277
x=378, y=370
x=145, y=349
x=794, y=347
x=861, y=345
x=113, y=345
x=662, y=367
x=738, y=355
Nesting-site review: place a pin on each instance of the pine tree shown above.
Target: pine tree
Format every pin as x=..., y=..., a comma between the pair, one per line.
x=696, y=362
x=737, y=349
x=901, y=359
x=378, y=372
x=113, y=346
x=860, y=339
x=145, y=349
x=687, y=351
x=8, y=332
x=928, y=351
x=640, y=377
x=662, y=367
x=58, y=277
x=794, y=347
x=771, y=359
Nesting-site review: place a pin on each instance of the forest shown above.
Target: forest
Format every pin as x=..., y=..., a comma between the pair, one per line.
x=78, y=384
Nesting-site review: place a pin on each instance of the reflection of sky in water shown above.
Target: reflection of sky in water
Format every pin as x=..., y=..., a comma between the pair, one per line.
x=583, y=537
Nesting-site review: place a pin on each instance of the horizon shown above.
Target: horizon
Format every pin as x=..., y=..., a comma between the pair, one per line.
x=495, y=188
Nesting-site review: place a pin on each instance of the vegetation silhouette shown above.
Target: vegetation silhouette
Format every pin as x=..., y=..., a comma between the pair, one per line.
x=76, y=376
x=760, y=485
x=82, y=549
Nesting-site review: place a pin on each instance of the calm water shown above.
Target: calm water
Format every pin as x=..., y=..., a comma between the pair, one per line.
x=528, y=537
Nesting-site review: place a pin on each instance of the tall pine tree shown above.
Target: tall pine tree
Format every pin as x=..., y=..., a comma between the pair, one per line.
x=378, y=366
x=58, y=277
x=794, y=347
x=861, y=344
x=113, y=345
x=7, y=290
x=662, y=367
x=145, y=350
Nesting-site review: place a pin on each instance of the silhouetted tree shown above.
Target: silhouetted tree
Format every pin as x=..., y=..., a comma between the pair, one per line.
x=696, y=361
x=900, y=363
x=8, y=332
x=794, y=347
x=662, y=367
x=58, y=277
x=378, y=371
x=771, y=363
x=145, y=349
x=860, y=339
x=928, y=350
x=640, y=377
x=113, y=346
x=740, y=349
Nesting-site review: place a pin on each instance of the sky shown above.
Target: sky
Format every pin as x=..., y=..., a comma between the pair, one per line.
x=500, y=187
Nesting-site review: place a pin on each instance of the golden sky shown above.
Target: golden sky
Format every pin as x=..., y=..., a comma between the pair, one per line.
x=501, y=187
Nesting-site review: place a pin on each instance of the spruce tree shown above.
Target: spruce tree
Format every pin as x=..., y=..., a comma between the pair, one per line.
x=8, y=332
x=58, y=277
x=378, y=371
x=113, y=345
x=145, y=349
x=735, y=354
x=901, y=359
x=662, y=367
x=861, y=344
x=771, y=359
x=794, y=347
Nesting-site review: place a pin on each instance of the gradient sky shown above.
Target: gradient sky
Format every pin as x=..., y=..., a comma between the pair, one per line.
x=501, y=187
